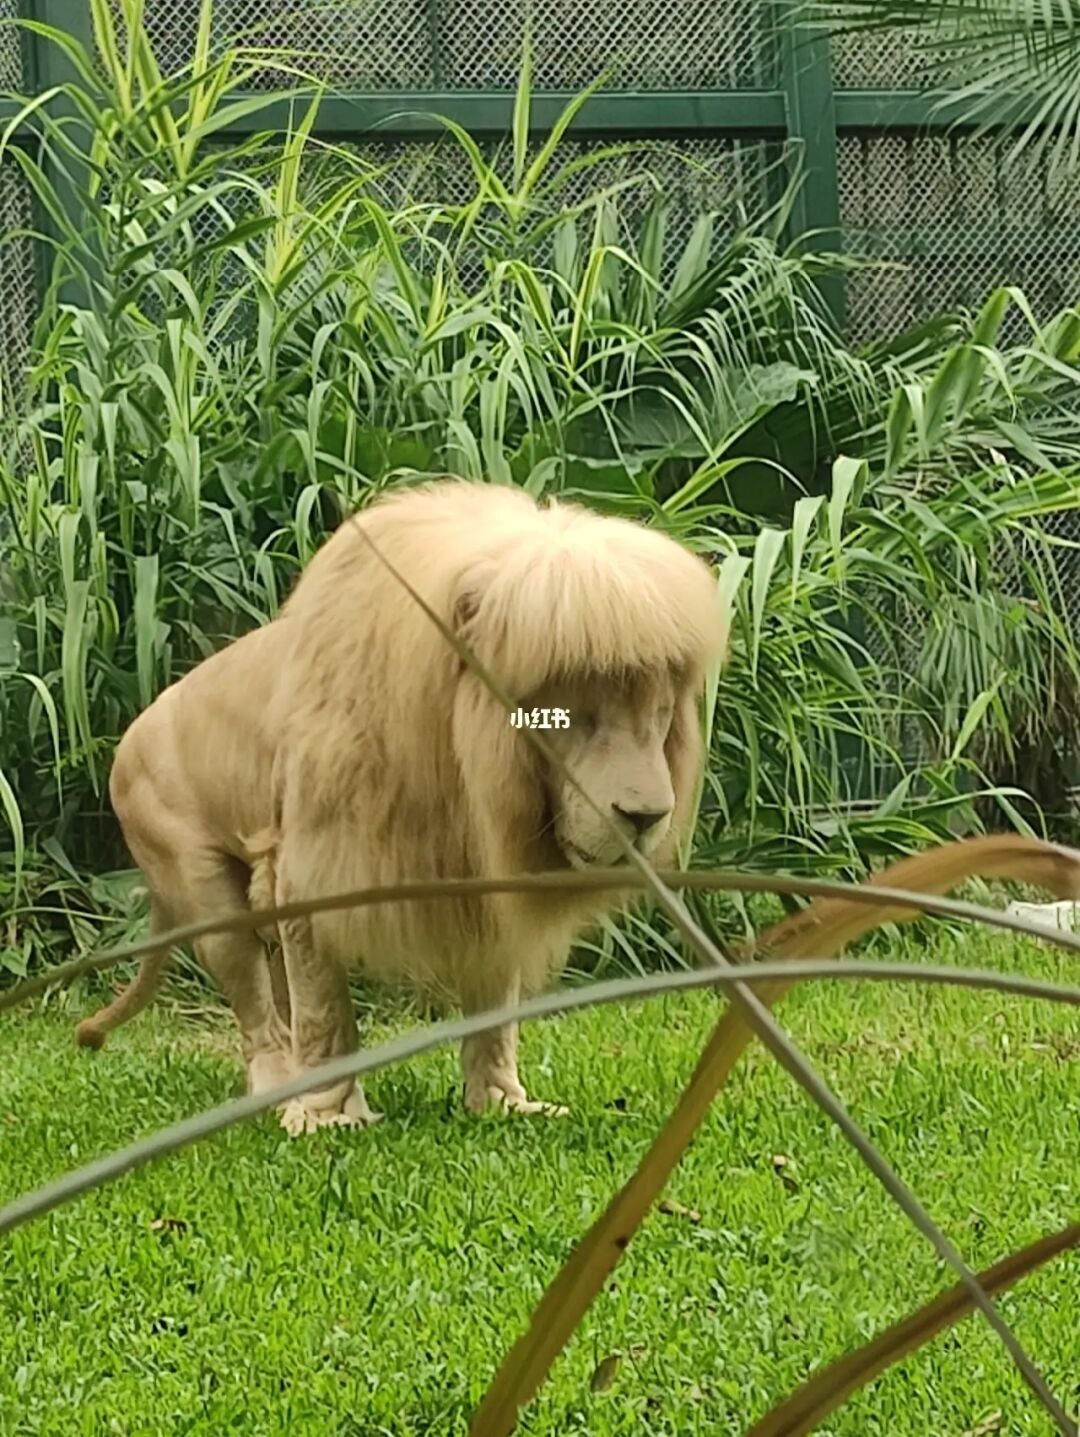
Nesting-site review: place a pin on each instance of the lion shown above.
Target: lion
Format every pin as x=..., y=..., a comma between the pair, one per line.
x=354, y=746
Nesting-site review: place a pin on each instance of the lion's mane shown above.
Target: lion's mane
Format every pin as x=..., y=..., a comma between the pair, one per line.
x=398, y=763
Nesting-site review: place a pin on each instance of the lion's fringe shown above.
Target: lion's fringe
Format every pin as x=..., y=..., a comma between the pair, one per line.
x=539, y=592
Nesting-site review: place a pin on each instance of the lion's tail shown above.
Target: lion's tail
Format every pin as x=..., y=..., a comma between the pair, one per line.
x=92, y=1031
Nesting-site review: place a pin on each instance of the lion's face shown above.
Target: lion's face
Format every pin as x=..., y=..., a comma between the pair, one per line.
x=615, y=748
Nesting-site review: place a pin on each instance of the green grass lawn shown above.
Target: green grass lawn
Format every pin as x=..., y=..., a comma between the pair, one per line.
x=368, y=1283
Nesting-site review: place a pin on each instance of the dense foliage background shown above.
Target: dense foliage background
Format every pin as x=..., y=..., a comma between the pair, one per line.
x=244, y=341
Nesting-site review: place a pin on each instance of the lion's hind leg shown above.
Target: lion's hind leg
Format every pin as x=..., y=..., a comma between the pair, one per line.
x=260, y=852
x=215, y=884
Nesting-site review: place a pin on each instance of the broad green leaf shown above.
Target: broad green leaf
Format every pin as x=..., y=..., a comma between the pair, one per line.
x=847, y=475
x=565, y=250
x=805, y=512
x=988, y=324
x=309, y=497
x=973, y=718
x=767, y=550
x=942, y=395
x=694, y=258
x=895, y=799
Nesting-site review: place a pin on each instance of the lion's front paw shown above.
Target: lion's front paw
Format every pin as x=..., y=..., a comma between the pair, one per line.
x=300, y=1116
x=509, y=1100
x=527, y=1105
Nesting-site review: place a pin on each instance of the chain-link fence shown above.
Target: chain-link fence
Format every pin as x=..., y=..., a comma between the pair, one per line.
x=951, y=220
x=402, y=45
x=11, y=68
x=18, y=273
x=18, y=281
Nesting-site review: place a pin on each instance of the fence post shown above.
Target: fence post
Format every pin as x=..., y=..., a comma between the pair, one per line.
x=810, y=102
x=806, y=77
x=45, y=66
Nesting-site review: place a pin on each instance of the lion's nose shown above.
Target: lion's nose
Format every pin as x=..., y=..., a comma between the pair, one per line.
x=641, y=819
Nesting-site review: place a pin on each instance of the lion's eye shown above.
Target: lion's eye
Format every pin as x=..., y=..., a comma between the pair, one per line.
x=588, y=724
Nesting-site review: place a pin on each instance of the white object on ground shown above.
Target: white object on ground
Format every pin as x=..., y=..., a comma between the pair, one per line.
x=1050, y=915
